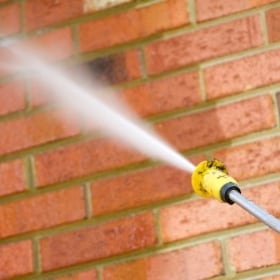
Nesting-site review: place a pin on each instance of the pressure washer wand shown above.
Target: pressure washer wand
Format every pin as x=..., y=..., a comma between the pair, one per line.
x=255, y=210
x=211, y=179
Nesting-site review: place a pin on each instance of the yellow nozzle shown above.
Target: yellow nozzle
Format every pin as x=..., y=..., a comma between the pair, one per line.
x=210, y=179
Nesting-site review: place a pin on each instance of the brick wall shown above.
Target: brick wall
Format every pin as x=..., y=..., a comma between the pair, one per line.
x=206, y=74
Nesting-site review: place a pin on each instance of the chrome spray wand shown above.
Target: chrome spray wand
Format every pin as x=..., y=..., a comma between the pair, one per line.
x=211, y=179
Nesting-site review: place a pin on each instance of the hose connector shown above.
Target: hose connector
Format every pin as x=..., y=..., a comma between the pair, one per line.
x=210, y=179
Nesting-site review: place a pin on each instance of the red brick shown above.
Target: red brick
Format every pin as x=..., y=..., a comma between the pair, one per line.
x=82, y=159
x=138, y=189
x=12, y=177
x=208, y=9
x=16, y=259
x=40, y=212
x=253, y=159
x=11, y=97
x=87, y=275
x=43, y=13
x=207, y=43
x=131, y=25
x=101, y=241
x=215, y=125
x=242, y=74
x=164, y=95
x=50, y=46
x=201, y=216
x=271, y=278
x=254, y=250
x=54, y=45
x=30, y=131
x=273, y=21
x=10, y=19
x=177, y=265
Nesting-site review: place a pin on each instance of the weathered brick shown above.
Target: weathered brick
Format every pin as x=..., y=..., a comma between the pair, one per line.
x=112, y=69
x=254, y=250
x=16, y=259
x=109, y=239
x=41, y=211
x=253, y=159
x=82, y=159
x=214, y=125
x=12, y=177
x=30, y=131
x=165, y=94
x=139, y=188
x=242, y=74
x=206, y=43
x=208, y=9
x=86, y=275
x=177, y=265
x=273, y=21
x=131, y=25
x=10, y=19
x=201, y=216
x=43, y=13
x=12, y=97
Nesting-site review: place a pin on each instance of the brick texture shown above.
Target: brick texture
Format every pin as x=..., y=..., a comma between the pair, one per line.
x=207, y=43
x=254, y=250
x=11, y=97
x=12, y=177
x=271, y=278
x=82, y=159
x=41, y=212
x=10, y=19
x=44, y=46
x=112, y=238
x=87, y=275
x=208, y=215
x=43, y=13
x=163, y=95
x=242, y=74
x=144, y=187
x=208, y=9
x=178, y=265
x=30, y=131
x=113, y=69
x=132, y=25
x=253, y=159
x=193, y=131
x=16, y=259
x=273, y=21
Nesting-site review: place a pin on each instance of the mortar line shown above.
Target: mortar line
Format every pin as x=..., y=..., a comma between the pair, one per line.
x=202, y=85
x=29, y=174
x=99, y=273
x=276, y=106
x=158, y=227
x=264, y=27
x=192, y=12
x=143, y=64
x=36, y=255
x=22, y=5
x=226, y=263
x=88, y=200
